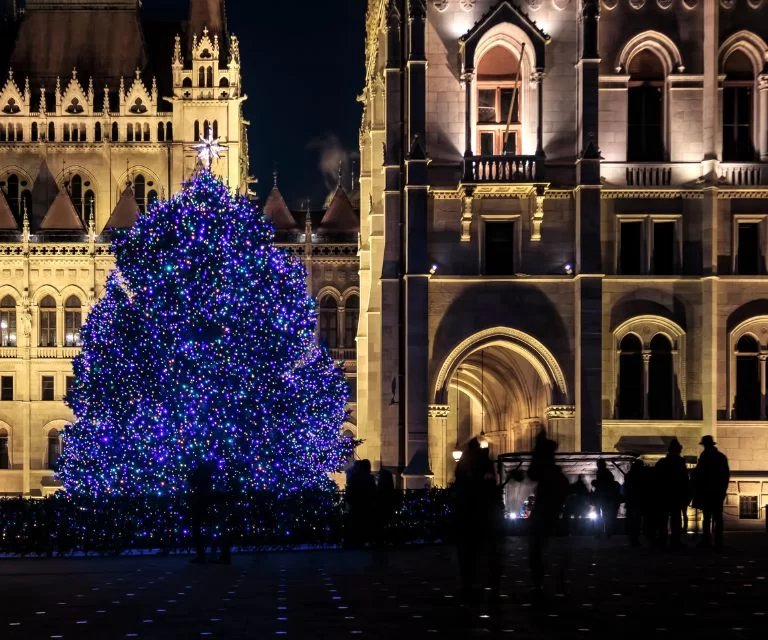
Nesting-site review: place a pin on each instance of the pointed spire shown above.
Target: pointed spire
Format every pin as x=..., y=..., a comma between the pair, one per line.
x=177, y=57
x=105, y=105
x=43, y=107
x=62, y=215
x=276, y=210
x=340, y=216
x=206, y=17
x=25, y=224
x=58, y=90
x=7, y=219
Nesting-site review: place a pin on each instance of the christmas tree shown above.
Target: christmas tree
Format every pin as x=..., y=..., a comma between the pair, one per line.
x=203, y=349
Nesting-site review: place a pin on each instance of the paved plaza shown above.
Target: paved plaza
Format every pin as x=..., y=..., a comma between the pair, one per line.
x=614, y=592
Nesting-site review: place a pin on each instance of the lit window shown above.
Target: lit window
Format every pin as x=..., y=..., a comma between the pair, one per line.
x=498, y=103
x=738, y=92
x=328, y=322
x=749, y=508
x=748, y=403
x=73, y=321
x=8, y=322
x=48, y=322
x=5, y=462
x=645, y=135
x=351, y=317
x=54, y=449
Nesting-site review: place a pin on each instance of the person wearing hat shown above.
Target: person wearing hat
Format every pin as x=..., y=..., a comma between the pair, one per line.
x=673, y=493
x=711, y=485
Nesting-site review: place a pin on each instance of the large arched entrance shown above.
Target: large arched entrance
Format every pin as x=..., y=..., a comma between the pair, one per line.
x=502, y=385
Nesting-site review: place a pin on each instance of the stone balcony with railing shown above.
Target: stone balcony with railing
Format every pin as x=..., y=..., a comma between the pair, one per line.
x=503, y=169
x=660, y=175
x=42, y=353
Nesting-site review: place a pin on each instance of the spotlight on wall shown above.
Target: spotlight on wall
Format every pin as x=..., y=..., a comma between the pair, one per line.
x=568, y=268
x=433, y=270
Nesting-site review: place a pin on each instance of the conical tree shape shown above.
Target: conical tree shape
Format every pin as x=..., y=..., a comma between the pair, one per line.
x=203, y=349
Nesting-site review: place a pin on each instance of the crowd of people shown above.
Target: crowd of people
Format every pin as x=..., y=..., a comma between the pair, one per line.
x=656, y=499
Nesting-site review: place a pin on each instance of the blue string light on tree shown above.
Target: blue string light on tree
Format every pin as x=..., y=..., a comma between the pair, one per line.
x=203, y=349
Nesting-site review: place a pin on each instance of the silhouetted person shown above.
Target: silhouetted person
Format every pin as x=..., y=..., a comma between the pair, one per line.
x=361, y=500
x=636, y=498
x=711, y=485
x=672, y=493
x=551, y=491
x=479, y=514
x=386, y=503
x=201, y=497
x=576, y=501
x=607, y=498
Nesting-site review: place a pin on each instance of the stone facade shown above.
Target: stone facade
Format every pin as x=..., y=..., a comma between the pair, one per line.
x=631, y=211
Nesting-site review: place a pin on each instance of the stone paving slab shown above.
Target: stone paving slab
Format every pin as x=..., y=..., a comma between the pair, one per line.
x=614, y=591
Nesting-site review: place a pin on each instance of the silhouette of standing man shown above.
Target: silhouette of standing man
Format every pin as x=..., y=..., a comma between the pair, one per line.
x=711, y=485
x=672, y=494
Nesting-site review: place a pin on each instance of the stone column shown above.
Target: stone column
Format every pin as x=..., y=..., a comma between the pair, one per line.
x=438, y=442
x=762, y=81
x=710, y=107
x=646, y=381
x=467, y=78
x=762, y=358
x=538, y=79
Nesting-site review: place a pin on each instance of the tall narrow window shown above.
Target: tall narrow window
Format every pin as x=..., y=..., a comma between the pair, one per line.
x=140, y=192
x=8, y=322
x=19, y=133
x=216, y=129
x=51, y=132
x=645, y=135
x=5, y=459
x=351, y=316
x=748, y=396
x=201, y=77
x=48, y=390
x=161, y=132
x=661, y=379
x=197, y=130
x=97, y=132
x=3, y=136
x=76, y=193
x=209, y=77
x=13, y=192
x=169, y=132
x=73, y=321
x=115, y=132
x=206, y=128
x=738, y=94
x=749, y=257
x=83, y=132
x=151, y=197
x=129, y=133
x=499, y=124
x=48, y=322
x=500, y=244
x=35, y=134
x=631, y=248
x=54, y=449
x=146, y=132
x=6, y=388
x=630, y=379
x=329, y=319
x=66, y=135
x=664, y=248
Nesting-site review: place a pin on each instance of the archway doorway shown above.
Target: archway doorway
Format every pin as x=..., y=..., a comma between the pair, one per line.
x=501, y=386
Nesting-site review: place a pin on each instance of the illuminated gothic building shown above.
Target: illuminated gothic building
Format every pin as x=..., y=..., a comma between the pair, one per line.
x=565, y=224
x=99, y=113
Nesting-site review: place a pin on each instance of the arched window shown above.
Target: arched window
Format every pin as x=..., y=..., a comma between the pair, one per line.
x=206, y=128
x=51, y=132
x=73, y=322
x=129, y=133
x=8, y=322
x=5, y=459
x=146, y=132
x=351, y=317
x=140, y=192
x=89, y=205
x=151, y=197
x=83, y=132
x=224, y=82
x=35, y=134
x=186, y=83
x=645, y=118
x=12, y=195
x=216, y=129
x=197, y=130
x=748, y=396
x=54, y=449
x=329, y=322
x=3, y=136
x=498, y=103
x=76, y=193
x=161, y=132
x=19, y=133
x=66, y=136
x=630, y=378
x=738, y=96
x=201, y=77
x=209, y=77
x=115, y=132
x=48, y=322
x=661, y=380
x=97, y=132
x=169, y=132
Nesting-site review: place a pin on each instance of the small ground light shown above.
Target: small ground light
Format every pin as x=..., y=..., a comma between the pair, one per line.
x=568, y=268
x=592, y=515
x=433, y=270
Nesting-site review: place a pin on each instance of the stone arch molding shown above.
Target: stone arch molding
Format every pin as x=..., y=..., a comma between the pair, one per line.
x=752, y=45
x=657, y=42
x=757, y=328
x=541, y=358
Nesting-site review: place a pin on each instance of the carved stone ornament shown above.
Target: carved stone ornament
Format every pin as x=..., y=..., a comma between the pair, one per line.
x=664, y=4
x=727, y=4
x=467, y=5
x=690, y=4
x=637, y=4
x=534, y=5
x=610, y=4
x=561, y=4
x=440, y=5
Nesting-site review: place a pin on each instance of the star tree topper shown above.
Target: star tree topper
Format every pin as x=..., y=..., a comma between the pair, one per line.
x=209, y=150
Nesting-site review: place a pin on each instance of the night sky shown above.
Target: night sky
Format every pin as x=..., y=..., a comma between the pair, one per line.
x=303, y=68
